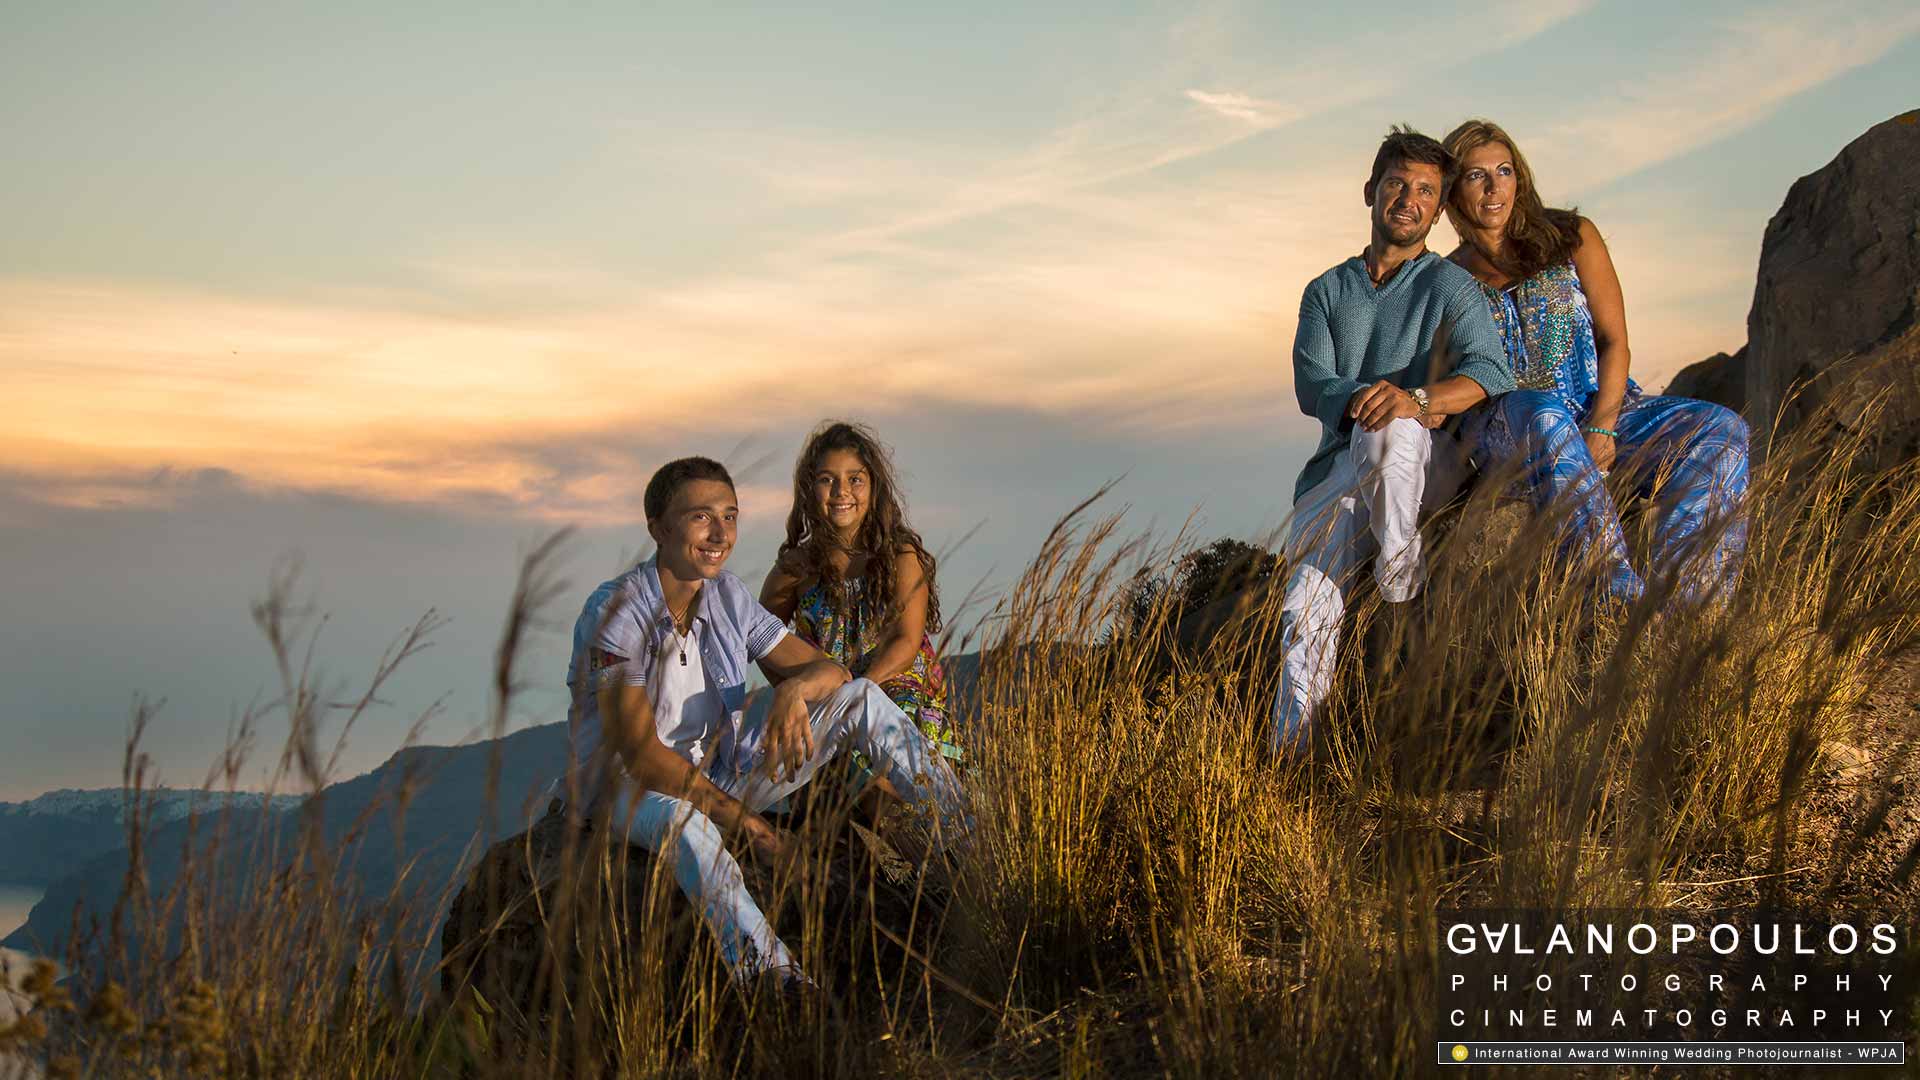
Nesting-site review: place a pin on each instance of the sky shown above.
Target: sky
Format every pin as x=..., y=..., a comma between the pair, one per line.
x=392, y=292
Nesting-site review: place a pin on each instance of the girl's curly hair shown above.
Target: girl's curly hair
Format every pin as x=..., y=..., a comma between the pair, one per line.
x=883, y=536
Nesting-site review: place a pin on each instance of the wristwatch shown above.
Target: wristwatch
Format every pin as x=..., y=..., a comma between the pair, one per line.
x=1420, y=398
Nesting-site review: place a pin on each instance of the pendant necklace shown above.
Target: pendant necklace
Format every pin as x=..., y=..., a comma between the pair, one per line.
x=680, y=639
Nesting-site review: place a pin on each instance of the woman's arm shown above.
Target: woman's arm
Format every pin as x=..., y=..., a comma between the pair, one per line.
x=895, y=653
x=1609, y=309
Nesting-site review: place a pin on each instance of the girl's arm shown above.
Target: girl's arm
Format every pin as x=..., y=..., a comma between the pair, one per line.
x=896, y=652
x=780, y=593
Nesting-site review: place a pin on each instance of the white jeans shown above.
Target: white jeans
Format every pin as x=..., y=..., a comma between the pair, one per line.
x=1369, y=505
x=859, y=714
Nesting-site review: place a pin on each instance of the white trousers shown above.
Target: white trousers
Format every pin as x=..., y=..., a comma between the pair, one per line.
x=1369, y=506
x=859, y=715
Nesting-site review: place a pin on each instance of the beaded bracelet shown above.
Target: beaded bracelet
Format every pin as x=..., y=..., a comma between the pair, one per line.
x=1608, y=432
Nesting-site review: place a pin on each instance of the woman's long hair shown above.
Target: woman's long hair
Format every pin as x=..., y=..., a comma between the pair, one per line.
x=1537, y=236
x=812, y=541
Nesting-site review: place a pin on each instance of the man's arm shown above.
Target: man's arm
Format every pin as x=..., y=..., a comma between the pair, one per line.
x=626, y=715
x=1475, y=340
x=1322, y=392
x=1467, y=343
x=801, y=674
x=1382, y=403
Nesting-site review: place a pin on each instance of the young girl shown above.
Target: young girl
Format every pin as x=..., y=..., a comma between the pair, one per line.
x=856, y=581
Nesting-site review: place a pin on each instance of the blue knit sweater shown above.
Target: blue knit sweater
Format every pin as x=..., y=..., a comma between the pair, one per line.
x=1352, y=334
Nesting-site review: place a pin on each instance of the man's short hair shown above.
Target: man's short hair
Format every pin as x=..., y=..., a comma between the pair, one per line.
x=673, y=476
x=1405, y=146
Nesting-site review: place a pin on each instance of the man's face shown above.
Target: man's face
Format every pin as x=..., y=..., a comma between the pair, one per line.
x=1405, y=202
x=698, y=531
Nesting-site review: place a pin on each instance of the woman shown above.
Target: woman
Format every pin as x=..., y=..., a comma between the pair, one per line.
x=1556, y=300
x=856, y=581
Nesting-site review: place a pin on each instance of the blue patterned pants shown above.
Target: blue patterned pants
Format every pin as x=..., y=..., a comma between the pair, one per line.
x=1689, y=457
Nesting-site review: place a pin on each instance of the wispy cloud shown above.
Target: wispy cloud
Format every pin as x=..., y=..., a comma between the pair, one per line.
x=1074, y=275
x=1746, y=70
x=1236, y=106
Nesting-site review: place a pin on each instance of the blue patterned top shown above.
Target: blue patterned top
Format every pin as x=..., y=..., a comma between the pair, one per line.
x=1547, y=330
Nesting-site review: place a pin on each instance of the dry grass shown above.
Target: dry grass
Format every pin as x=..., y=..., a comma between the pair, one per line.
x=1148, y=891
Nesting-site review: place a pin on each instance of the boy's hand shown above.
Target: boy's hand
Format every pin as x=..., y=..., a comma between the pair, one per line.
x=789, y=732
x=773, y=845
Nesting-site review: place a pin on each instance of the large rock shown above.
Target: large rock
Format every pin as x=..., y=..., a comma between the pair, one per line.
x=1720, y=378
x=1839, y=276
x=572, y=908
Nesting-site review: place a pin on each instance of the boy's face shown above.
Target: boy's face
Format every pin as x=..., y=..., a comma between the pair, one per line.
x=698, y=531
x=1405, y=202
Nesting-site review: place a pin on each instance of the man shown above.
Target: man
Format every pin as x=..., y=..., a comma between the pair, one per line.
x=1368, y=329
x=658, y=672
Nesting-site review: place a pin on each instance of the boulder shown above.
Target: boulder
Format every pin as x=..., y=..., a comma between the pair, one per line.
x=567, y=918
x=1720, y=378
x=1839, y=277
x=1839, y=267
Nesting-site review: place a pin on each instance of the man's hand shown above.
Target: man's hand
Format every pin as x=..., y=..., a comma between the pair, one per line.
x=1433, y=420
x=1378, y=405
x=789, y=731
x=770, y=844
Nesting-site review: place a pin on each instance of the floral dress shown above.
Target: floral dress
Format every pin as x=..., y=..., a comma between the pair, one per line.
x=920, y=691
x=1547, y=329
x=1689, y=457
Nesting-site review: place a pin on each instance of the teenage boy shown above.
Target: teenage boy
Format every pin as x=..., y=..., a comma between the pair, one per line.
x=659, y=673
x=1368, y=330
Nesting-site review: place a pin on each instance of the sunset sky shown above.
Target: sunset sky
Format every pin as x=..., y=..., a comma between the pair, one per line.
x=399, y=289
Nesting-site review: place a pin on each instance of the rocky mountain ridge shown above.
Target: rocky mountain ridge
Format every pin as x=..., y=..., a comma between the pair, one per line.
x=46, y=837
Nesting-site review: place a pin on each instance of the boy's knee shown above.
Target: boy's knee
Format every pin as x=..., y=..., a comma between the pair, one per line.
x=698, y=834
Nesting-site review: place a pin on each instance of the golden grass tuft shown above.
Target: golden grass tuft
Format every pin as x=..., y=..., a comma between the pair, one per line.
x=1148, y=891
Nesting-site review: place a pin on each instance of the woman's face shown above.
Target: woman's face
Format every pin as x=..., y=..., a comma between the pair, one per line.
x=841, y=486
x=1487, y=186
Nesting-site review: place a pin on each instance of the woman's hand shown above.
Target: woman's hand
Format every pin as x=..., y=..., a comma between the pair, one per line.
x=1433, y=420
x=1602, y=449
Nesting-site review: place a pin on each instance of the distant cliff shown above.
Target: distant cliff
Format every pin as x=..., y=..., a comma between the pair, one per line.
x=48, y=837
x=360, y=820
x=445, y=823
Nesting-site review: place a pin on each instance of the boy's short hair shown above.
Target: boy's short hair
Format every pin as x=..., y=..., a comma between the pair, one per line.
x=1405, y=146
x=674, y=475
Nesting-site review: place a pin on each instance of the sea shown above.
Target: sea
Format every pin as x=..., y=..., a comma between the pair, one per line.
x=15, y=902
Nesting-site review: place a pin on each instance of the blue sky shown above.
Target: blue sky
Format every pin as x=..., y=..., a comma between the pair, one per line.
x=402, y=289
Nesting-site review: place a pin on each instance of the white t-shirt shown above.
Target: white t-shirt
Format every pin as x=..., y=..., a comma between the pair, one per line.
x=686, y=708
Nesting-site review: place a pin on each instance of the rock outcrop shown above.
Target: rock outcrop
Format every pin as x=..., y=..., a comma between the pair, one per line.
x=1720, y=378
x=1839, y=277
x=554, y=922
